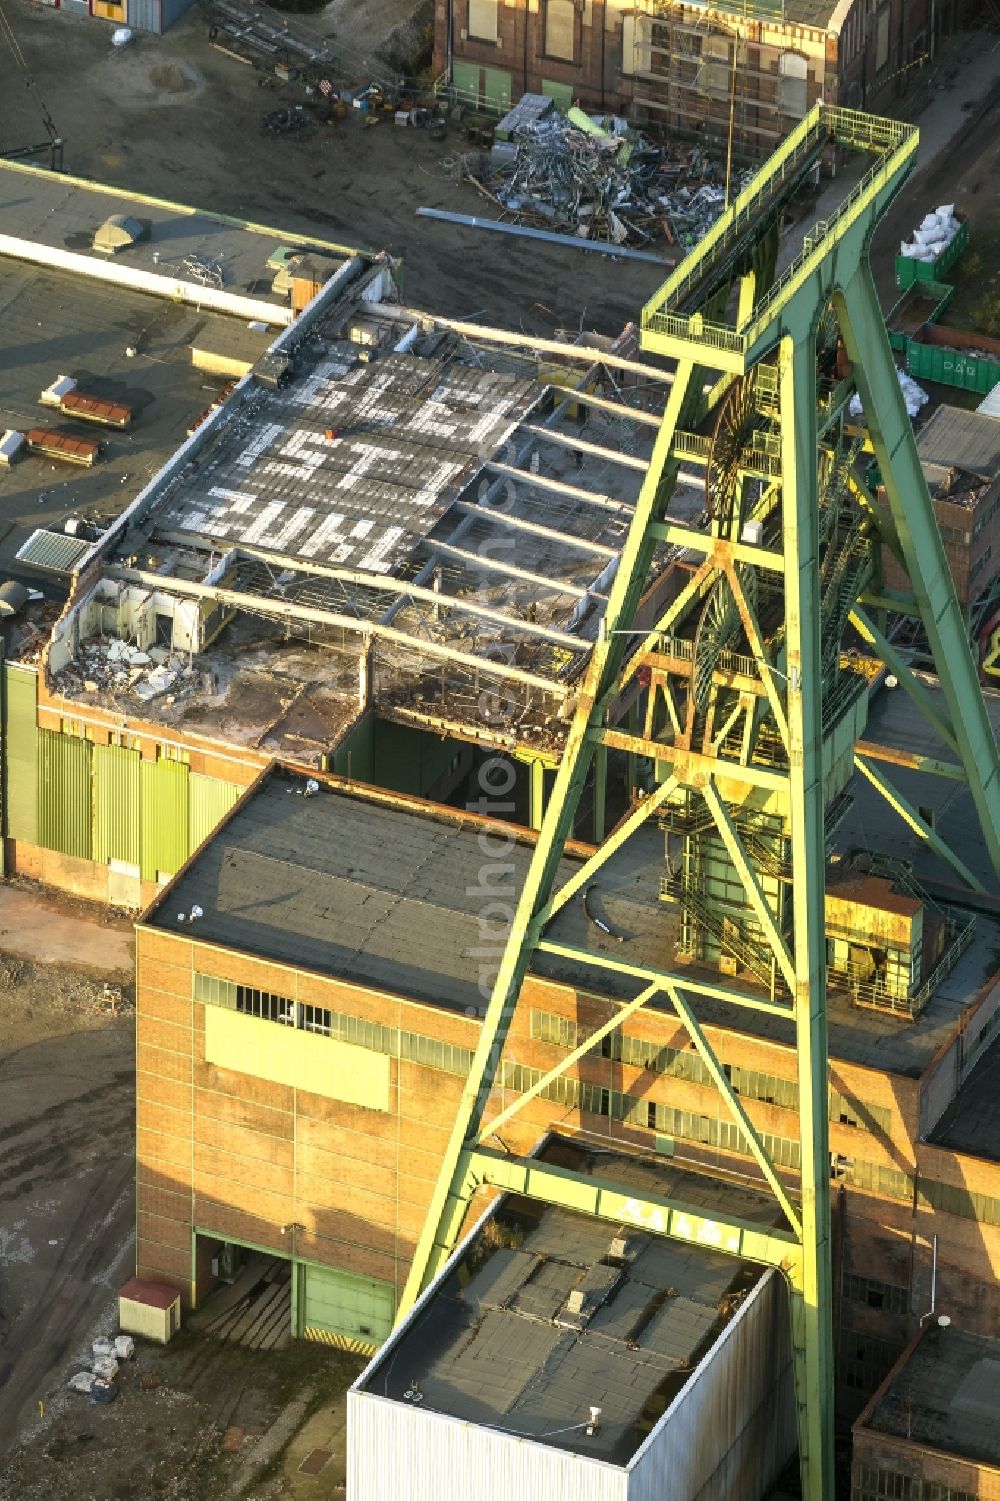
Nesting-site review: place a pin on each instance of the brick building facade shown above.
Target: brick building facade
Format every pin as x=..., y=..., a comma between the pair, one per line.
x=302, y=1047
x=680, y=67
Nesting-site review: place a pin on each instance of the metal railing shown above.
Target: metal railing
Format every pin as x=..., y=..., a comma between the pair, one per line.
x=894, y=140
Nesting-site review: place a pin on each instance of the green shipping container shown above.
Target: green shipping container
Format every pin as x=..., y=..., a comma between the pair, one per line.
x=920, y=304
x=116, y=804
x=163, y=819
x=210, y=799
x=909, y=271
x=962, y=368
x=64, y=793
x=21, y=754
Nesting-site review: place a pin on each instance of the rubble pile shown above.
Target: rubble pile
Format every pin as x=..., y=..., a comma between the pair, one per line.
x=598, y=178
x=116, y=666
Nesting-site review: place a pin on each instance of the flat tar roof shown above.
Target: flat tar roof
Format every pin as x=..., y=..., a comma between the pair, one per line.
x=391, y=897
x=501, y=1347
x=945, y=1396
x=64, y=212
x=56, y=324
x=972, y=1121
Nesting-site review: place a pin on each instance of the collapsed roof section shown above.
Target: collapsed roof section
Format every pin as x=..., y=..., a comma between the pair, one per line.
x=439, y=507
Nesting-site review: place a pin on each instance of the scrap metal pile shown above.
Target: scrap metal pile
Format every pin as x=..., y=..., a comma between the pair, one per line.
x=597, y=179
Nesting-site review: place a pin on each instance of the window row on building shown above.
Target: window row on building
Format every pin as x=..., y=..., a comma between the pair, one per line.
x=575, y=1094
x=411, y=1046
x=751, y=1084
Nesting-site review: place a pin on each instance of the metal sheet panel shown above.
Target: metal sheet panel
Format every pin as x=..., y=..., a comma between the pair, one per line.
x=210, y=799
x=116, y=804
x=170, y=10
x=397, y=1450
x=144, y=15
x=64, y=793
x=163, y=817
x=54, y=551
x=21, y=731
x=731, y=1430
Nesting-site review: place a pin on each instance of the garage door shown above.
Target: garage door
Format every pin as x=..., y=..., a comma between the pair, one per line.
x=339, y=1308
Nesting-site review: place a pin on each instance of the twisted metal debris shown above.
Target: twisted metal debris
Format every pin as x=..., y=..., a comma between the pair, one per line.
x=595, y=178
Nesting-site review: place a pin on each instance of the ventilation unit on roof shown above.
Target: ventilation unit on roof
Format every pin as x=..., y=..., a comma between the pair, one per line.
x=119, y=232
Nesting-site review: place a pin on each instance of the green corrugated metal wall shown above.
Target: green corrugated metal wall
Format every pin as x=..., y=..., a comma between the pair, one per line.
x=163, y=821
x=116, y=804
x=64, y=793
x=210, y=801
x=22, y=755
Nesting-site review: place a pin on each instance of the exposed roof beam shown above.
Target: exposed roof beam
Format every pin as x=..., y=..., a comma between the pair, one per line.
x=580, y=445
x=615, y=408
x=484, y=563
x=533, y=528
x=587, y=353
x=622, y=508
x=280, y=609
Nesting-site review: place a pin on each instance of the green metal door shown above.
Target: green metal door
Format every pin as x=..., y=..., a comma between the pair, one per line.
x=163, y=821
x=496, y=87
x=116, y=804
x=21, y=731
x=466, y=80
x=343, y=1309
x=64, y=793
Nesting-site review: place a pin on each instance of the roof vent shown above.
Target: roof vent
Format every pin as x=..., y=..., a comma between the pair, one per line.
x=574, y=1303
x=119, y=232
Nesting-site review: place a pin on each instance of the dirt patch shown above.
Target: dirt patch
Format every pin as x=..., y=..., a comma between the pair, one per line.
x=171, y=77
x=195, y=1421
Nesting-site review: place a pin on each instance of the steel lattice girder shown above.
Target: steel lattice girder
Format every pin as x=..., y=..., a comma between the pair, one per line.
x=774, y=343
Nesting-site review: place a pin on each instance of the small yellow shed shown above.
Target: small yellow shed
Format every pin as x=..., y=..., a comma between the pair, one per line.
x=151, y=1309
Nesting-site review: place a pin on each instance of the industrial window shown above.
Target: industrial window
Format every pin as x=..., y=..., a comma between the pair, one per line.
x=873, y=1176
x=217, y=992
x=794, y=81
x=356, y=1030
x=636, y=44
x=882, y=39
x=433, y=1054
x=560, y=29
x=874, y=1294
x=682, y=1063
x=266, y=1005
x=483, y=20
x=716, y=52
x=173, y=753
x=862, y=1362
x=959, y=1201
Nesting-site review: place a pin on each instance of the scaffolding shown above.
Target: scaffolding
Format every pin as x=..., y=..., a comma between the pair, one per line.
x=751, y=714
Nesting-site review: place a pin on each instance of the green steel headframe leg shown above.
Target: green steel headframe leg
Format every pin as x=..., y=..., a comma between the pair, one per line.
x=861, y=324
x=449, y=1200
x=800, y=517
